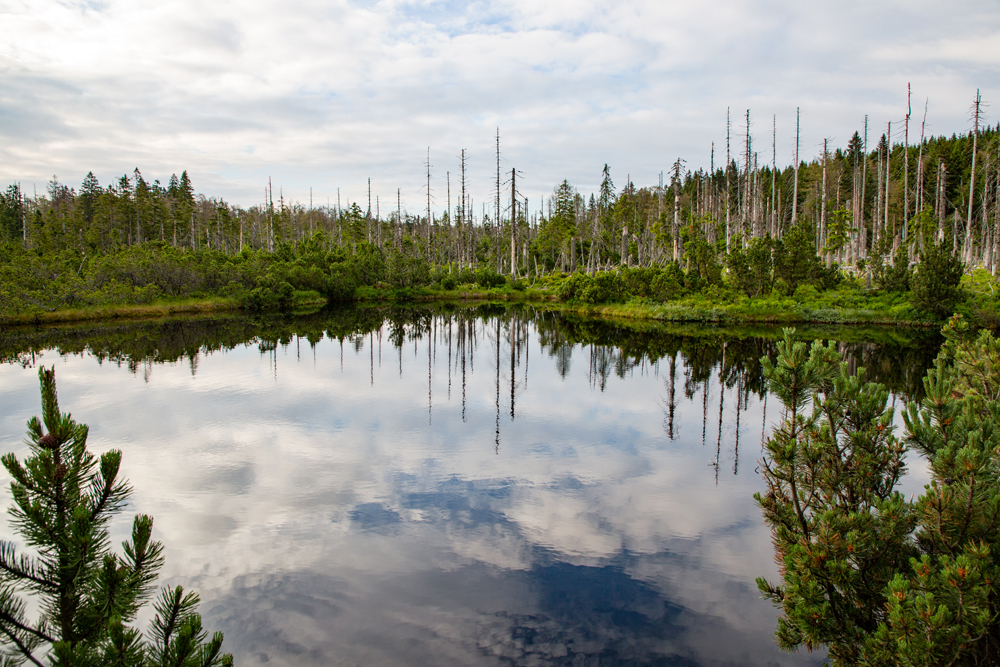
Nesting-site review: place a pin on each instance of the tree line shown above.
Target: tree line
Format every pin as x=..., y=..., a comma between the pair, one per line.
x=872, y=209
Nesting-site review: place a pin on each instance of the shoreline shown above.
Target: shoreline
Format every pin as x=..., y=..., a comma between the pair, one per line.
x=679, y=312
x=132, y=312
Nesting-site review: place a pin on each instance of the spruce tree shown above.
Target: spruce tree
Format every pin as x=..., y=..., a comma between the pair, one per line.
x=87, y=595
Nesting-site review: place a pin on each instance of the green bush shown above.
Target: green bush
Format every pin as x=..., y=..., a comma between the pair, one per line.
x=665, y=286
x=570, y=288
x=935, y=284
x=603, y=287
x=875, y=577
x=806, y=294
x=270, y=295
x=340, y=285
x=796, y=262
x=403, y=269
x=488, y=278
x=893, y=277
x=466, y=277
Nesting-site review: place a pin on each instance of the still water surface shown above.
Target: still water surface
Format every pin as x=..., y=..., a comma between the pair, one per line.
x=466, y=486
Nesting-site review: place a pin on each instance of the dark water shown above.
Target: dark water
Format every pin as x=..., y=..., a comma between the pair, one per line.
x=446, y=486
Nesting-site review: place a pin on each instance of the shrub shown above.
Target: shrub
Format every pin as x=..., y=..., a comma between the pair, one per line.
x=488, y=278
x=572, y=286
x=88, y=595
x=603, y=287
x=875, y=577
x=935, y=284
x=665, y=286
x=466, y=277
x=893, y=277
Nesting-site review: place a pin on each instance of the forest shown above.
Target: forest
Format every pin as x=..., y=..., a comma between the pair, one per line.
x=897, y=221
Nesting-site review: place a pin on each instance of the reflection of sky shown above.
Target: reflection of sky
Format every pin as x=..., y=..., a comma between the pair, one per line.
x=327, y=515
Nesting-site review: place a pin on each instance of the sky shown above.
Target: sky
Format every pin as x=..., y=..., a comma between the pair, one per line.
x=319, y=97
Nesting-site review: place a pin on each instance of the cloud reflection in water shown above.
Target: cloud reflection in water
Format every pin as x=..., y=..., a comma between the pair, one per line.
x=367, y=511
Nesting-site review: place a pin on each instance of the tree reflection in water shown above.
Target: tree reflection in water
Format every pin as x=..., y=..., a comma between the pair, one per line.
x=643, y=586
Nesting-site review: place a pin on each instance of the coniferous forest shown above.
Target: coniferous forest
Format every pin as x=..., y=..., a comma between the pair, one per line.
x=894, y=216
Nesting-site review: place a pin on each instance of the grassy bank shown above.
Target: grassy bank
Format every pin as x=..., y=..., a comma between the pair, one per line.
x=763, y=311
x=721, y=308
x=164, y=308
x=154, y=280
x=822, y=308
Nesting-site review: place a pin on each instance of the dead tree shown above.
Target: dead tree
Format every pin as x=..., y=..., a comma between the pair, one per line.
x=972, y=179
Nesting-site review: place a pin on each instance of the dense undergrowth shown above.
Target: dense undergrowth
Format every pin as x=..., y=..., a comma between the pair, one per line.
x=760, y=284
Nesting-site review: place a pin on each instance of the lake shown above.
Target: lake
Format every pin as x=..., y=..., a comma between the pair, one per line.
x=449, y=485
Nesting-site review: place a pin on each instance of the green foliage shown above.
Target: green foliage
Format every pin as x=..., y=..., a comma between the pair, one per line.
x=651, y=283
x=488, y=278
x=603, y=287
x=703, y=264
x=796, y=262
x=838, y=230
x=517, y=284
x=555, y=232
x=406, y=269
x=877, y=579
x=11, y=213
x=466, y=276
x=668, y=283
x=923, y=226
x=270, y=294
x=750, y=271
x=894, y=277
x=64, y=499
x=935, y=284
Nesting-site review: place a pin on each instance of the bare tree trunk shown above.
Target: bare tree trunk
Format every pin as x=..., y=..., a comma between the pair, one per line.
x=746, y=211
x=451, y=245
x=513, y=222
x=677, y=210
x=729, y=233
x=972, y=181
x=906, y=164
x=940, y=200
x=428, y=203
x=773, y=213
x=822, y=214
x=864, y=188
x=879, y=191
x=996, y=216
x=496, y=222
x=987, y=251
x=795, y=192
x=462, y=222
x=920, y=173
x=888, y=164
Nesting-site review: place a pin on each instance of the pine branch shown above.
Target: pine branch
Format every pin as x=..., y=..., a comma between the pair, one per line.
x=24, y=568
x=12, y=612
x=14, y=639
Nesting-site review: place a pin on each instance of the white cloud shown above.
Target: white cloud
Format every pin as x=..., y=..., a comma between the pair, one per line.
x=327, y=94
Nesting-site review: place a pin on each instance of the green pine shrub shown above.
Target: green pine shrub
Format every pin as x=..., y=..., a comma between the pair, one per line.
x=87, y=594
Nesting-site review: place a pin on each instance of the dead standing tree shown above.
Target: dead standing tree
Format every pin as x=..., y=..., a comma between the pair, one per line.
x=676, y=229
x=976, y=111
